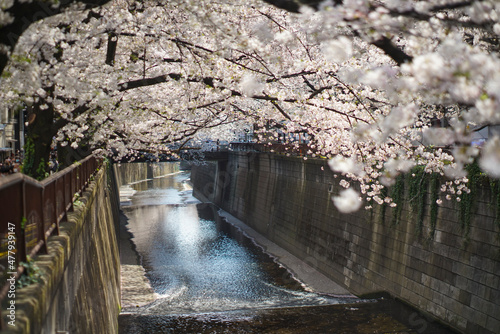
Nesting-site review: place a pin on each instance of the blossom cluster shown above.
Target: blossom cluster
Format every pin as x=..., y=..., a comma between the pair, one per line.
x=378, y=87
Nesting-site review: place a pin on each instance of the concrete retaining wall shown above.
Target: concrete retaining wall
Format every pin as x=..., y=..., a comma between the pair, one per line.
x=289, y=201
x=138, y=172
x=80, y=288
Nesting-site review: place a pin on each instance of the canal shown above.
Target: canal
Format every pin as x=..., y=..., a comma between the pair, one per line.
x=186, y=269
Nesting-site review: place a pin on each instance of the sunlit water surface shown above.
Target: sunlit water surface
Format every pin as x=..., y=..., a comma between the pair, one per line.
x=209, y=278
x=196, y=262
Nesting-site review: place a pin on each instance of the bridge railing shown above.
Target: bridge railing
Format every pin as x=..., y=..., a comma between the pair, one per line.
x=280, y=148
x=31, y=211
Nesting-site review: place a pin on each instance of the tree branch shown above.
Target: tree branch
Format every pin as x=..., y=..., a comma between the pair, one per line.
x=26, y=13
x=390, y=49
x=124, y=86
x=111, y=51
x=294, y=5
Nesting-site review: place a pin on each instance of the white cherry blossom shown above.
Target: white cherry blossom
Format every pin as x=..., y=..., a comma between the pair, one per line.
x=365, y=81
x=348, y=201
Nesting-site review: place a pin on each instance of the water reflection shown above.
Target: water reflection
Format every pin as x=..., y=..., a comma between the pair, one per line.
x=199, y=265
x=196, y=262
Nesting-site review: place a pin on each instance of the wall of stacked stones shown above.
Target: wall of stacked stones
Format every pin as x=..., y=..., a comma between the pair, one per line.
x=79, y=291
x=443, y=273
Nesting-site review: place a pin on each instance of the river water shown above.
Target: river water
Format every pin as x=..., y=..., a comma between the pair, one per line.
x=201, y=274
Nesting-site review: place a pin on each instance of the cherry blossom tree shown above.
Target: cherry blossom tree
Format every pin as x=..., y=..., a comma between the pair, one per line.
x=16, y=17
x=368, y=81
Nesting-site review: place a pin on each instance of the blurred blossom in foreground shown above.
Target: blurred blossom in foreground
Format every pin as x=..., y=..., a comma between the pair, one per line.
x=345, y=165
x=490, y=157
x=348, y=201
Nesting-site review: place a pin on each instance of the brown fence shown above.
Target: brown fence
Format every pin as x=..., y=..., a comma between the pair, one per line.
x=30, y=211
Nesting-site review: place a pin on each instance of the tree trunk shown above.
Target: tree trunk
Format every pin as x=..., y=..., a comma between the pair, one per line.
x=38, y=141
x=66, y=155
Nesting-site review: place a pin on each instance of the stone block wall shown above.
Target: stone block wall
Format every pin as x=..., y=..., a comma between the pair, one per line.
x=443, y=274
x=80, y=287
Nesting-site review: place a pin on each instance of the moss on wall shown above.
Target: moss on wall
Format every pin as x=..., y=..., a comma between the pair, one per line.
x=419, y=258
x=80, y=288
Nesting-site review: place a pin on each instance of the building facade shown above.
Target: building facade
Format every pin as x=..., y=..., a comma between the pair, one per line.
x=11, y=132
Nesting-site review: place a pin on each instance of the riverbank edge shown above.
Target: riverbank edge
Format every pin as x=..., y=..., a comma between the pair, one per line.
x=136, y=291
x=314, y=280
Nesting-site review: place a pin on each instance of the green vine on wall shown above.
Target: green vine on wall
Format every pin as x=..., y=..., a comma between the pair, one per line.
x=476, y=178
x=397, y=195
x=434, y=196
x=467, y=198
x=418, y=184
x=383, y=206
x=495, y=194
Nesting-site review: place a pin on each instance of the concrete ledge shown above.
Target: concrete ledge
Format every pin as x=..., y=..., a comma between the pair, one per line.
x=300, y=269
x=288, y=201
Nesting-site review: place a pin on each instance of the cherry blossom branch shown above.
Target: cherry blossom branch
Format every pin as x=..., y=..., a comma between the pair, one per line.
x=132, y=84
x=393, y=51
x=25, y=13
x=293, y=6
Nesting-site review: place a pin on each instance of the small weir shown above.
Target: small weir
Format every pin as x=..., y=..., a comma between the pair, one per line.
x=196, y=273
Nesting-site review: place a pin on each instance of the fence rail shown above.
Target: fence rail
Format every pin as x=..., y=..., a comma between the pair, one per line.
x=280, y=148
x=31, y=211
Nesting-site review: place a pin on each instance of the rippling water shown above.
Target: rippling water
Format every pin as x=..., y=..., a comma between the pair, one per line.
x=209, y=278
x=196, y=262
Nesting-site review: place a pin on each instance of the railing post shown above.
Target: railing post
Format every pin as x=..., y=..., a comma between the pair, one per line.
x=21, y=246
x=41, y=229
x=56, y=212
x=74, y=179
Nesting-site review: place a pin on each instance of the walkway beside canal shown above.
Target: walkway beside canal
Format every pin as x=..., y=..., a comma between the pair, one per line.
x=135, y=288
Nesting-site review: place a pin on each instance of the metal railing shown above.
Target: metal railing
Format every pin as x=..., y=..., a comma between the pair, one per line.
x=31, y=211
x=280, y=148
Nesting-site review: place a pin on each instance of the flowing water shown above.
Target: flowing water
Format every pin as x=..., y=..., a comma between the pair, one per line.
x=206, y=276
